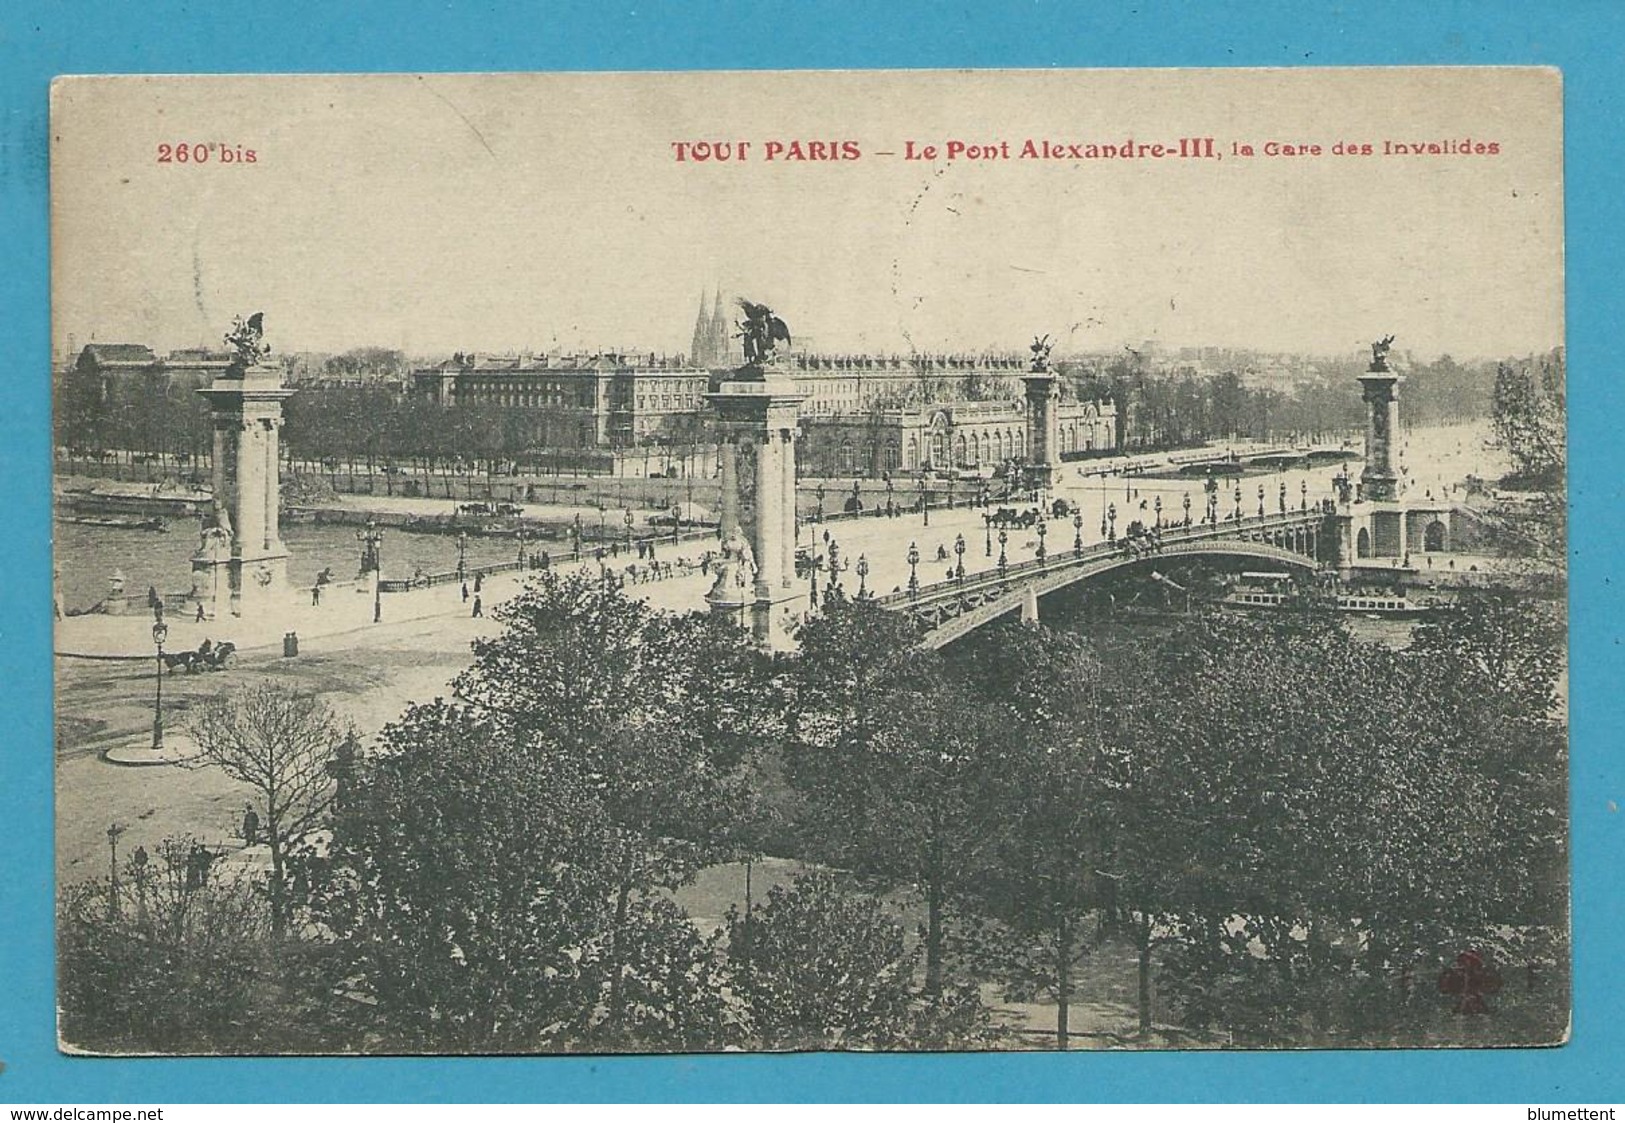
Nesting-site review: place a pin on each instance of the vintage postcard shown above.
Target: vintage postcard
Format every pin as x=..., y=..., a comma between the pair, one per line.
x=791, y=561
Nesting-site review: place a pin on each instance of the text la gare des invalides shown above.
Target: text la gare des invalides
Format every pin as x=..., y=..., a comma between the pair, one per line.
x=1189, y=148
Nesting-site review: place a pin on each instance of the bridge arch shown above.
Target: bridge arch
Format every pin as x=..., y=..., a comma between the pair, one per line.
x=948, y=613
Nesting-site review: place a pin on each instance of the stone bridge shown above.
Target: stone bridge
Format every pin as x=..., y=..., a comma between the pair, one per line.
x=948, y=610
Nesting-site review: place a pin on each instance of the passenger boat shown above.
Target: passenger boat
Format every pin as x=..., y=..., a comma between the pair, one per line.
x=1274, y=590
x=117, y=522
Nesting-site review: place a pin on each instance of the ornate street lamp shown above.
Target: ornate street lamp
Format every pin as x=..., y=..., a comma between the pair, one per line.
x=987, y=529
x=863, y=576
x=1004, y=536
x=1283, y=497
x=1238, y=502
x=521, y=534
x=1187, y=504
x=819, y=491
x=959, y=548
x=576, y=535
x=1156, y=506
x=160, y=632
x=1043, y=529
x=913, y=570
x=372, y=559
x=113, y=831
x=834, y=564
x=676, y=521
x=1303, y=490
x=812, y=572
x=462, y=552
x=1077, y=534
x=1111, y=522
x=1260, y=500
x=628, y=521
x=925, y=502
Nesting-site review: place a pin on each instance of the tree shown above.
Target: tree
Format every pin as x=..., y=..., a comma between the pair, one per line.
x=822, y=967
x=884, y=750
x=1040, y=797
x=171, y=967
x=1528, y=412
x=465, y=883
x=651, y=713
x=281, y=744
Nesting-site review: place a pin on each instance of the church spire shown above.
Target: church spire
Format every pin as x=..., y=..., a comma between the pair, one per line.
x=697, y=352
x=721, y=344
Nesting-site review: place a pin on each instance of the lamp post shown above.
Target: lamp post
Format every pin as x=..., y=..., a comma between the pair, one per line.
x=628, y=521
x=1303, y=490
x=959, y=567
x=113, y=831
x=1260, y=500
x=987, y=530
x=1187, y=504
x=160, y=632
x=925, y=502
x=372, y=558
x=863, y=576
x=462, y=550
x=1043, y=529
x=890, y=498
x=1077, y=534
x=1156, y=505
x=576, y=536
x=1283, y=497
x=913, y=571
x=676, y=521
x=1111, y=522
x=834, y=564
x=819, y=491
x=1238, y=502
x=1004, y=536
x=521, y=534
x=812, y=572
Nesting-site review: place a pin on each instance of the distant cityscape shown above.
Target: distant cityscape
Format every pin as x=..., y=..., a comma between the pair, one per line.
x=863, y=414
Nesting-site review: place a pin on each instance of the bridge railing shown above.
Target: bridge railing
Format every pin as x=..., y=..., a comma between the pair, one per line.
x=1018, y=573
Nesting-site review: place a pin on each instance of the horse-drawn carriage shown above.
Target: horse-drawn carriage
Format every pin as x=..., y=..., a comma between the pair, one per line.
x=209, y=656
x=1008, y=518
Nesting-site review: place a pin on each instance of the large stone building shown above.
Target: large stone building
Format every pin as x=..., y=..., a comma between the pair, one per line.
x=602, y=401
x=862, y=414
x=970, y=436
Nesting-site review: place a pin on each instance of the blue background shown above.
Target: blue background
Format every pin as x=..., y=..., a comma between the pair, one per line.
x=1581, y=38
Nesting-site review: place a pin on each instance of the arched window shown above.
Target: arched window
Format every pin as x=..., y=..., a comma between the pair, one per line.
x=1433, y=537
x=960, y=449
x=911, y=457
x=892, y=459
x=1362, y=543
x=975, y=448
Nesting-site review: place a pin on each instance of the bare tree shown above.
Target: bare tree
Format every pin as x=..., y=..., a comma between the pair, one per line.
x=283, y=745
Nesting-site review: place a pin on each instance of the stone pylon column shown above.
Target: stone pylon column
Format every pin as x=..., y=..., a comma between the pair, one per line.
x=1380, y=390
x=787, y=578
x=761, y=406
x=241, y=565
x=1043, y=427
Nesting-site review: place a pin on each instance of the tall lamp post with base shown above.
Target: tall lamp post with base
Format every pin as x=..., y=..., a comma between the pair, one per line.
x=863, y=576
x=1077, y=534
x=959, y=566
x=913, y=570
x=160, y=632
x=372, y=559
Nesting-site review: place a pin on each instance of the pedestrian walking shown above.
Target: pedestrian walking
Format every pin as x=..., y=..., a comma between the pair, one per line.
x=476, y=582
x=465, y=592
x=251, y=825
x=478, y=609
x=199, y=612
x=315, y=598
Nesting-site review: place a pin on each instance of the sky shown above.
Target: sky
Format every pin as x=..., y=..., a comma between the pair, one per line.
x=440, y=212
